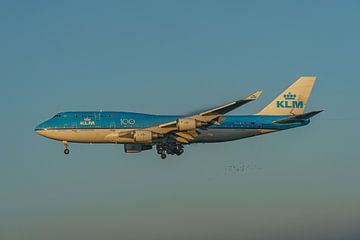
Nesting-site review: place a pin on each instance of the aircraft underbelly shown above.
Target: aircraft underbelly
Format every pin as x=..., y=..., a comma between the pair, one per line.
x=221, y=135
x=86, y=135
x=112, y=136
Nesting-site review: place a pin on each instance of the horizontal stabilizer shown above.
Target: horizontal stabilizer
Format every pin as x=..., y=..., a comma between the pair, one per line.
x=298, y=118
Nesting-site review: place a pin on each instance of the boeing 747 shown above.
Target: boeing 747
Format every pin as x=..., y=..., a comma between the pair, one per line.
x=169, y=133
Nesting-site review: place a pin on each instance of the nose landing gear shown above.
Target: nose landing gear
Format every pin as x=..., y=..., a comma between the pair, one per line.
x=66, y=146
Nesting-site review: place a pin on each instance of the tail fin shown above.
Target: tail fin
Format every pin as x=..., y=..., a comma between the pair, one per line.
x=293, y=100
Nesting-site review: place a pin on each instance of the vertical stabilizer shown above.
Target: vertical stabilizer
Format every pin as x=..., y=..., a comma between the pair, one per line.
x=293, y=100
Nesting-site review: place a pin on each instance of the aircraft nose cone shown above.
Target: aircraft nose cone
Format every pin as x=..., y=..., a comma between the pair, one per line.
x=42, y=129
x=39, y=128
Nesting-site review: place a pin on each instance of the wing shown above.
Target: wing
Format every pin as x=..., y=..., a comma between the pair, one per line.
x=184, y=129
x=199, y=120
x=231, y=106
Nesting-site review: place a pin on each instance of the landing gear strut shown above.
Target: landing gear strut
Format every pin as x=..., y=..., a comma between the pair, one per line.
x=171, y=149
x=66, y=146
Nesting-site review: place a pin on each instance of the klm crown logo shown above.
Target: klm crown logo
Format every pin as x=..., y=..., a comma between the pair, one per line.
x=289, y=96
x=87, y=122
x=289, y=102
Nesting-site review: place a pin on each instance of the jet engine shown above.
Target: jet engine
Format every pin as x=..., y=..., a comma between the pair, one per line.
x=184, y=124
x=145, y=136
x=136, y=148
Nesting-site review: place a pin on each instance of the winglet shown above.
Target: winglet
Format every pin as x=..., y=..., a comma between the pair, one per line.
x=253, y=96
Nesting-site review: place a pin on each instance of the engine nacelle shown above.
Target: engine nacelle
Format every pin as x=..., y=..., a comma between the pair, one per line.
x=135, y=148
x=184, y=124
x=145, y=136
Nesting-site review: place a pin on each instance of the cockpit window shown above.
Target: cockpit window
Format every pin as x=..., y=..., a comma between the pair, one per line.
x=57, y=116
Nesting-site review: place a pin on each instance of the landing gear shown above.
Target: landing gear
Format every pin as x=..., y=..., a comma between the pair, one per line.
x=66, y=146
x=181, y=151
x=171, y=149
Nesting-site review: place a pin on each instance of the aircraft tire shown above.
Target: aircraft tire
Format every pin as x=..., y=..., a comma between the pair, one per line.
x=66, y=151
x=179, y=152
x=168, y=151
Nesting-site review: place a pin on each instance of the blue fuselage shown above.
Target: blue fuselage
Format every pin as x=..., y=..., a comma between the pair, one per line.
x=64, y=126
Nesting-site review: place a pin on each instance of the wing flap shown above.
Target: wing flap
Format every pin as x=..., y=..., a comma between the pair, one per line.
x=189, y=135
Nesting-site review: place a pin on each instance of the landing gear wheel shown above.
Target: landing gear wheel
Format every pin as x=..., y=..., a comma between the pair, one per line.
x=66, y=147
x=179, y=152
x=169, y=149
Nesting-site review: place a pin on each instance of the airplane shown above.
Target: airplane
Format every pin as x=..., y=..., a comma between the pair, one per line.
x=169, y=133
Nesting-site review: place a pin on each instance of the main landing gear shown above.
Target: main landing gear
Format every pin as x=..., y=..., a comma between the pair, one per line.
x=172, y=149
x=66, y=147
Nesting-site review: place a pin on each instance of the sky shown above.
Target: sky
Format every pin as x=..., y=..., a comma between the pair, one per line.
x=174, y=57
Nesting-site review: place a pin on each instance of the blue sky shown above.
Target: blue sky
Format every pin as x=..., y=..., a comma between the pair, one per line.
x=174, y=57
